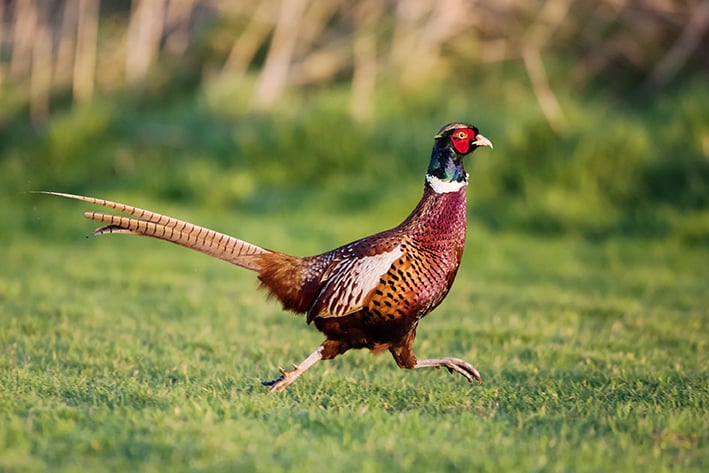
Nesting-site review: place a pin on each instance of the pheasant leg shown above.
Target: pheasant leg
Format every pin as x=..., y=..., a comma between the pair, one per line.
x=457, y=365
x=287, y=377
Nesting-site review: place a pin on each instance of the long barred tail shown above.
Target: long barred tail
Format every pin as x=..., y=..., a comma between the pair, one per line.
x=147, y=223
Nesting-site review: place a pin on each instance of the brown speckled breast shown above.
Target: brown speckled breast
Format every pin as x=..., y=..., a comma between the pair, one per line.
x=432, y=240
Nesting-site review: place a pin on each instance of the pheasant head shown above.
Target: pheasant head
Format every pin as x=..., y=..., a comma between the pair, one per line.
x=452, y=143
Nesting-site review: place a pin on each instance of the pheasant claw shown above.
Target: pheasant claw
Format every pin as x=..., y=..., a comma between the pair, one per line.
x=287, y=377
x=452, y=364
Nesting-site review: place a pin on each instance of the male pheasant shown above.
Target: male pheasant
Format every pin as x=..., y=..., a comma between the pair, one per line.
x=370, y=293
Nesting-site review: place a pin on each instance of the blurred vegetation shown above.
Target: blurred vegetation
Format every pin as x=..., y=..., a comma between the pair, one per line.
x=599, y=111
x=303, y=124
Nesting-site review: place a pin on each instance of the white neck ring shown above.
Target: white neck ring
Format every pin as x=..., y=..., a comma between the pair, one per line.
x=443, y=187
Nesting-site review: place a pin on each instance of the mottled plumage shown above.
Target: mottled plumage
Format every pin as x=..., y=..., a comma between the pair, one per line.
x=370, y=293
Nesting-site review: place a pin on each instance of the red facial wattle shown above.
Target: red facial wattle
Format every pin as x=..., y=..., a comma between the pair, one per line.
x=461, y=139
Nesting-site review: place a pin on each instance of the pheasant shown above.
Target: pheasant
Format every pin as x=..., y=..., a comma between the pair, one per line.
x=370, y=293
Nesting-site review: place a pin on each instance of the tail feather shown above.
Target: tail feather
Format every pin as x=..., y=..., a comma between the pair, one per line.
x=151, y=224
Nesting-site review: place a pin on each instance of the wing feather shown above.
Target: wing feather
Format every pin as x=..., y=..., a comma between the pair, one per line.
x=348, y=282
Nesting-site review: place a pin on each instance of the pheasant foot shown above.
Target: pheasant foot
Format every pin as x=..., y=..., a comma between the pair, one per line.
x=457, y=365
x=287, y=377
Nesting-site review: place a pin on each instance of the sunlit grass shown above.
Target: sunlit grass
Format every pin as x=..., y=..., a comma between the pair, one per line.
x=582, y=297
x=121, y=353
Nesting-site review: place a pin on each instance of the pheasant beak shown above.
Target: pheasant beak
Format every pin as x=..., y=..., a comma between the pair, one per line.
x=480, y=140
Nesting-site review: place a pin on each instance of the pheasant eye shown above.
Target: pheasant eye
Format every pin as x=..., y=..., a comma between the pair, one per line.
x=461, y=135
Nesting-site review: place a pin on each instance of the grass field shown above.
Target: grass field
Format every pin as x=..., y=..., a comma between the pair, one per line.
x=133, y=355
x=582, y=298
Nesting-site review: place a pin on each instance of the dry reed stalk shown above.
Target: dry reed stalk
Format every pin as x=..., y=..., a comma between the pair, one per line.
x=143, y=37
x=64, y=60
x=364, y=73
x=177, y=25
x=86, y=50
x=273, y=77
x=3, y=41
x=246, y=45
x=550, y=17
x=317, y=42
x=25, y=28
x=680, y=52
x=41, y=76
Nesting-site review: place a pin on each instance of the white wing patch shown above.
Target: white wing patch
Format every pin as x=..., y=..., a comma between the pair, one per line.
x=352, y=279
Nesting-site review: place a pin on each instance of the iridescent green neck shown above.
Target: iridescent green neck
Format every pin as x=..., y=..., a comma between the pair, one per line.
x=445, y=165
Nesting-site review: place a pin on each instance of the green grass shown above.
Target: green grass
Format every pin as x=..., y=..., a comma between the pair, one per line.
x=133, y=355
x=582, y=297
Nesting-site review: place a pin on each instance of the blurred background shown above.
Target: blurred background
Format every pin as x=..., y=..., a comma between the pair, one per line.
x=300, y=125
x=599, y=110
